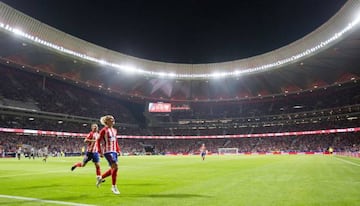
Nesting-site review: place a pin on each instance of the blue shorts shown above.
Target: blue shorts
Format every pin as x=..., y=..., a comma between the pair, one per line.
x=111, y=157
x=94, y=156
x=203, y=154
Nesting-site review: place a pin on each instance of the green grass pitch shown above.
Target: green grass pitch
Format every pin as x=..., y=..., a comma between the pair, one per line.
x=186, y=180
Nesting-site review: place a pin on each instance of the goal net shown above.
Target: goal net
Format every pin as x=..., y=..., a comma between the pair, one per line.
x=224, y=151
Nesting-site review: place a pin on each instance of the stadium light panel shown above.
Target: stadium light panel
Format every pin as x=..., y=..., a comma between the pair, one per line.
x=18, y=32
x=103, y=62
x=171, y=74
x=127, y=68
x=218, y=74
x=162, y=74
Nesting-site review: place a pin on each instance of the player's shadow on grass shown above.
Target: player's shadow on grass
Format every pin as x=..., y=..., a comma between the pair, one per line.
x=75, y=197
x=140, y=184
x=42, y=186
x=167, y=195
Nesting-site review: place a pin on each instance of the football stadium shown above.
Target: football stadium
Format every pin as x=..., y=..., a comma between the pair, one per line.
x=81, y=124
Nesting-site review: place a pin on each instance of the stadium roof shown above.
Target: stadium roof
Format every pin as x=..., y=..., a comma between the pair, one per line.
x=327, y=56
x=187, y=31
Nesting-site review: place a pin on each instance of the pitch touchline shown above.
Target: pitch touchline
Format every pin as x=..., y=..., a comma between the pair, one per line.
x=349, y=162
x=46, y=201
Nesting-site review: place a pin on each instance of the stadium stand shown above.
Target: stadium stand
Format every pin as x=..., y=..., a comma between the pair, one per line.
x=31, y=101
x=35, y=92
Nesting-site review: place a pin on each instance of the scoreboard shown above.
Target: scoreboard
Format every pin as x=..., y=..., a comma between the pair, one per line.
x=159, y=107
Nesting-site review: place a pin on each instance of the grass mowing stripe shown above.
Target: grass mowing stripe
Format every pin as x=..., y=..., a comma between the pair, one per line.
x=43, y=201
x=29, y=174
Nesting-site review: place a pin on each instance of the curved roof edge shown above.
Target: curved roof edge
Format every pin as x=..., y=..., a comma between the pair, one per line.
x=331, y=32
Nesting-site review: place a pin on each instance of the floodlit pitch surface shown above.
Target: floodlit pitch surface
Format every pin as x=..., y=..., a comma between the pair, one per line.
x=186, y=180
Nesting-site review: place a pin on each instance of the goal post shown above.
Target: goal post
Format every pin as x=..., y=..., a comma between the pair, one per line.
x=225, y=151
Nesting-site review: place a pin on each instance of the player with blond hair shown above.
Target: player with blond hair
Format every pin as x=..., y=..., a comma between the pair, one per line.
x=91, y=151
x=110, y=150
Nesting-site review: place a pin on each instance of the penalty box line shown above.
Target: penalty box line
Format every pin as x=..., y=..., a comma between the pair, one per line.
x=43, y=201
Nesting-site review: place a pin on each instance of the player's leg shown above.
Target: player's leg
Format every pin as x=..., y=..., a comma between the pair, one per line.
x=99, y=178
x=112, y=160
x=96, y=160
x=114, y=170
x=45, y=157
x=86, y=159
x=108, y=172
x=89, y=156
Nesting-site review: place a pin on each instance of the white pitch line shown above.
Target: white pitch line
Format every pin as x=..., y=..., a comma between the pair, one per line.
x=347, y=161
x=44, y=201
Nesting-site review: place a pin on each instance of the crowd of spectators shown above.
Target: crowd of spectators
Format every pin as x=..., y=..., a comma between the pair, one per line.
x=35, y=92
x=314, y=100
x=344, y=142
x=10, y=143
x=24, y=122
x=252, y=129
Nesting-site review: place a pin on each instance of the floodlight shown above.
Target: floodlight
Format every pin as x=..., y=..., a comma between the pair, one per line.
x=102, y=61
x=18, y=32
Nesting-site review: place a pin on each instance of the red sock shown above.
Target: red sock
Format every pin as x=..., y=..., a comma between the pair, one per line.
x=79, y=164
x=106, y=174
x=98, y=173
x=114, y=175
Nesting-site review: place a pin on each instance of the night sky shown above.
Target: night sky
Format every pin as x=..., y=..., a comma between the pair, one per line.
x=184, y=31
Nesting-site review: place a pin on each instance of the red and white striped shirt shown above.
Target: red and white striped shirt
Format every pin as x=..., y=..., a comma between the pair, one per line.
x=108, y=141
x=92, y=145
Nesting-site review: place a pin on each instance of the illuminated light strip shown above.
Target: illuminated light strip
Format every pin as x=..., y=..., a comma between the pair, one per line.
x=236, y=72
x=277, y=134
